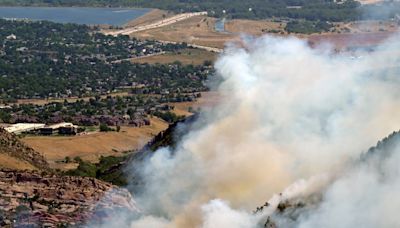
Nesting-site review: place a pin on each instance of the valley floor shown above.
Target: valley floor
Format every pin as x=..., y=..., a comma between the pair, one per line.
x=92, y=146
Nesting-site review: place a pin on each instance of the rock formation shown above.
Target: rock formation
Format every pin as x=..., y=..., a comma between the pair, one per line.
x=33, y=199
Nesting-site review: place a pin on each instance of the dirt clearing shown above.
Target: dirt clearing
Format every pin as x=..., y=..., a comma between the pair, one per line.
x=196, y=30
x=152, y=16
x=255, y=28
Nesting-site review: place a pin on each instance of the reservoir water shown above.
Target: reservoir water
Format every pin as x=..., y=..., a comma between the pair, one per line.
x=220, y=25
x=89, y=16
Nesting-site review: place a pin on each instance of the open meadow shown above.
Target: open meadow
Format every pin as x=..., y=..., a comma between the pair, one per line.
x=91, y=146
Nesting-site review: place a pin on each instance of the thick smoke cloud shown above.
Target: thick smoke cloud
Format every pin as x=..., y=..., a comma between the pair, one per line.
x=365, y=196
x=291, y=116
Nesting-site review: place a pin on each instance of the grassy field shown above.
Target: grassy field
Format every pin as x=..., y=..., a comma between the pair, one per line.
x=187, y=56
x=93, y=145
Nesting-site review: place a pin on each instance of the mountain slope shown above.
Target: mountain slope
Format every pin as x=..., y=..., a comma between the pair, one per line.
x=16, y=155
x=370, y=181
x=33, y=199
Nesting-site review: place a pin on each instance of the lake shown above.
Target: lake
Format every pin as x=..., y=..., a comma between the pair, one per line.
x=89, y=16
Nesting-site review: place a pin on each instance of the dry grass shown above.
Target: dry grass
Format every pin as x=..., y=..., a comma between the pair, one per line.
x=90, y=147
x=253, y=27
x=153, y=16
x=6, y=161
x=187, y=56
x=200, y=30
x=373, y=26
x=196, y=30
x=367, y=26
x=207, y=100
x=342, y=41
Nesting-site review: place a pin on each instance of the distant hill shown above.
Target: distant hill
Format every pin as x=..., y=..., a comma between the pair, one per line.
x=16, y=155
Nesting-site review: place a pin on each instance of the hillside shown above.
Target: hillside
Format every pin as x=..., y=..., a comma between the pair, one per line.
x=300, y=201
x=16, y=155
x=30, y=199
x=118, y=170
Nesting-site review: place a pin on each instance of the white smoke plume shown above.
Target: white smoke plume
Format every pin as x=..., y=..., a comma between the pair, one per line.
x=365, y=196
x=288, y=114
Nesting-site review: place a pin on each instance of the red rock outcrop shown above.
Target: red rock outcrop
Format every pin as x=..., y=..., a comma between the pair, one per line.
x=48, y=200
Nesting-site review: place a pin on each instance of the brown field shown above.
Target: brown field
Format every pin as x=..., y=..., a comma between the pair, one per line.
x=367, y=26
x=341, y=41
x=91, y=146
x=200, y=30
x=6, y=161
x=207, y=100
x=187, y=56
x=196, y=30
x=252, y=27
x=153, y=16
x=373, y=26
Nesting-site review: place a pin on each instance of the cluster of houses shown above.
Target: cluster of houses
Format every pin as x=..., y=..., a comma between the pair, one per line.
x=128, y=48
x=111, y=120
x=43, y=129
x=82, y=113
x=64, y=128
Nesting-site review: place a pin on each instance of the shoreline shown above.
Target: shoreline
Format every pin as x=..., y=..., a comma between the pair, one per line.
x=115, y=16
x=74, y=6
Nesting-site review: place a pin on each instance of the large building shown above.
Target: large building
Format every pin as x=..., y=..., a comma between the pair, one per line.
x=60, y=128
x=24, y=127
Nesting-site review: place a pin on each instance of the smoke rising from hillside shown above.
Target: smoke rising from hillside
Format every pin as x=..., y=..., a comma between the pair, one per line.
x=366, y=196
x=289, y=116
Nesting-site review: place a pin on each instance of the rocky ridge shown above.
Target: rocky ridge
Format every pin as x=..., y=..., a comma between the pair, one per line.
x=33, y=199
